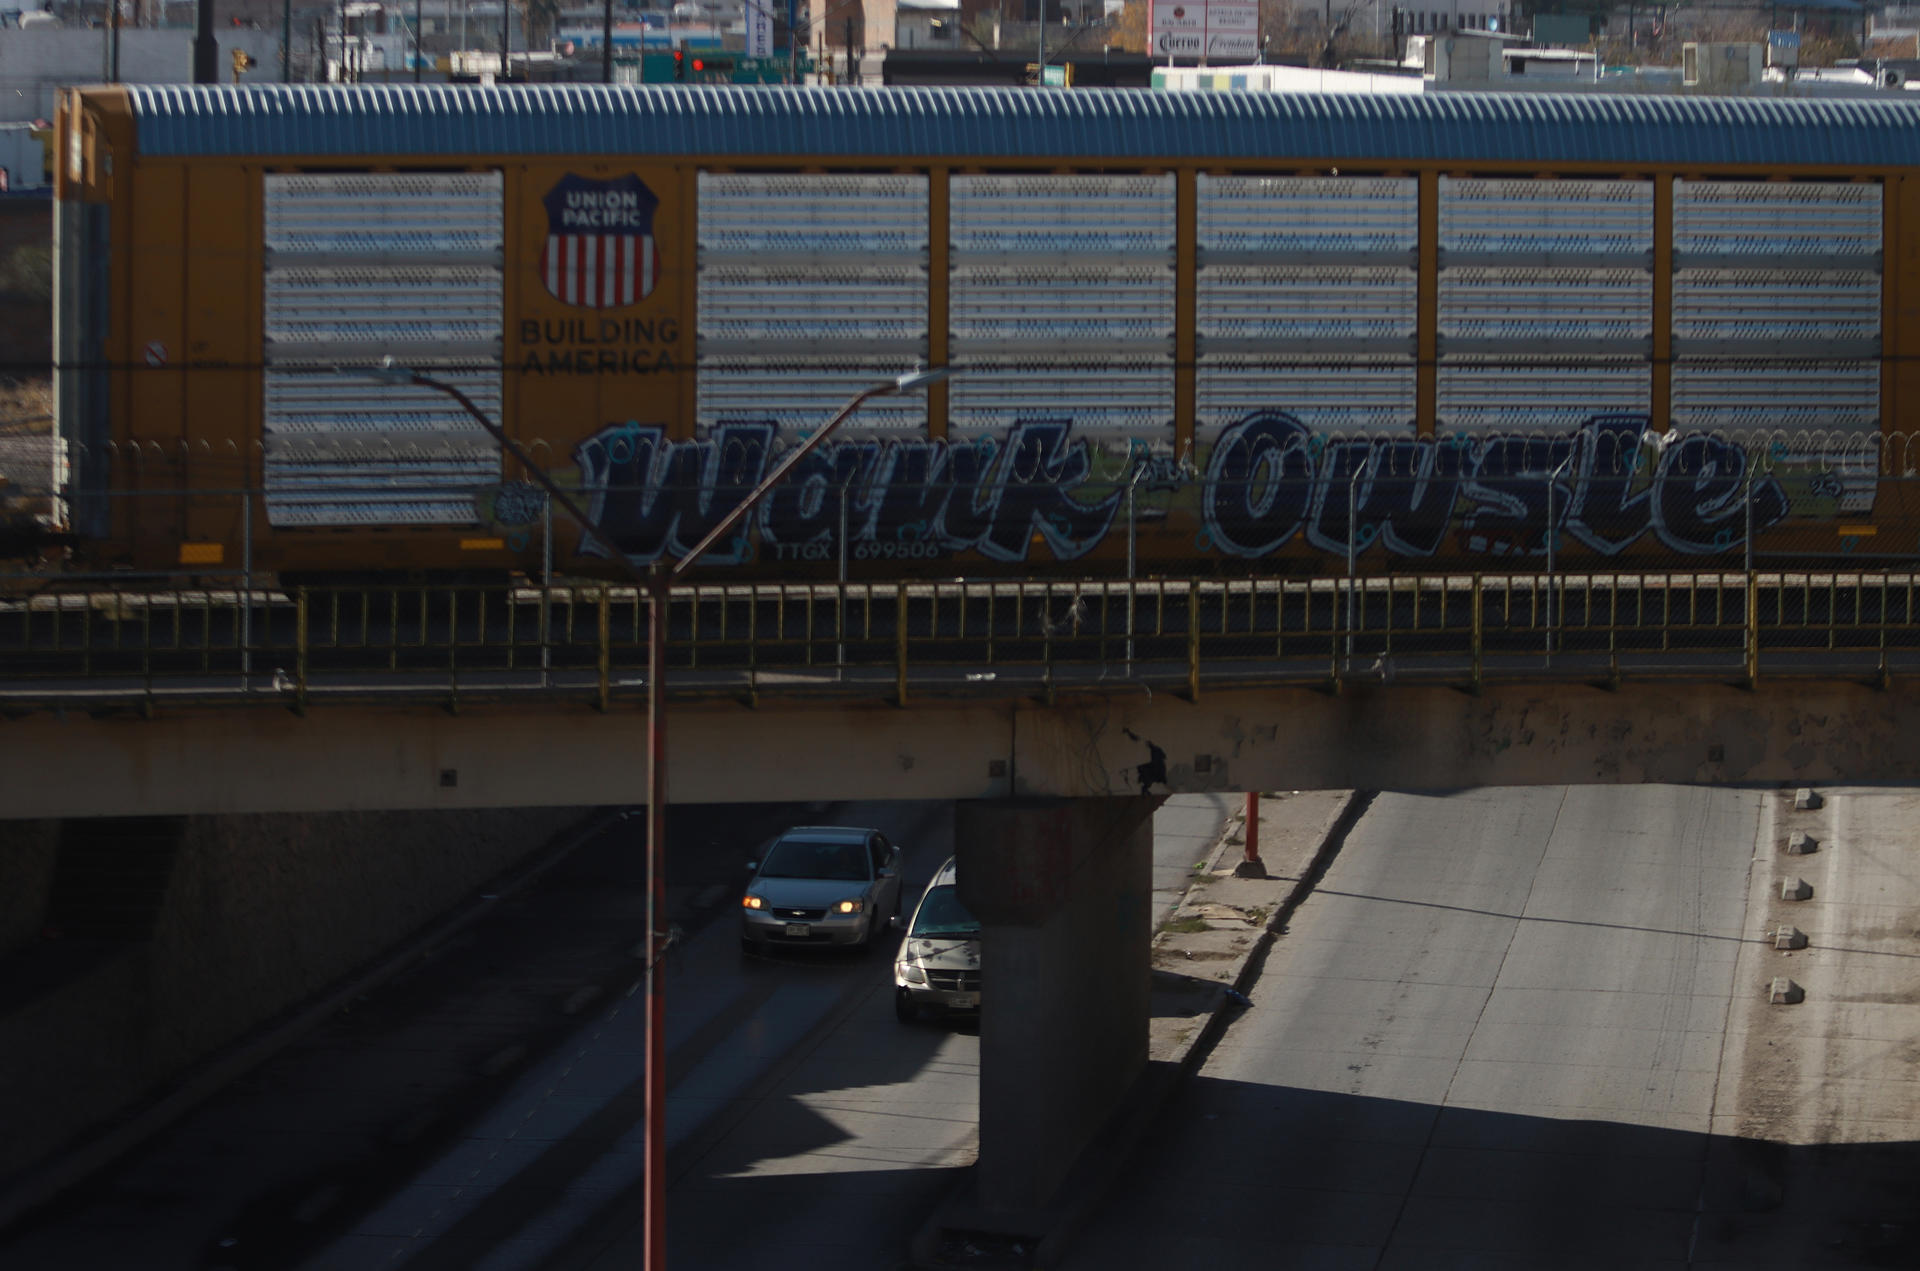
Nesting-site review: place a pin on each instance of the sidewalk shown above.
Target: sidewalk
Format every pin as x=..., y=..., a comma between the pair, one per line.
x=1206, y=958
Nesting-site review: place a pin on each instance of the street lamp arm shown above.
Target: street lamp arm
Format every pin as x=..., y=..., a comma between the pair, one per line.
x=534, y=471
x=731, y=521
x=787, y=461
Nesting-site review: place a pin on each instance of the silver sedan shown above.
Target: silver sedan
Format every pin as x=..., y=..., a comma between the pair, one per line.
x=822, y=885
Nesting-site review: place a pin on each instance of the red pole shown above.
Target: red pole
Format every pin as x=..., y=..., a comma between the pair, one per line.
x=1253, y=826
x=659, y=592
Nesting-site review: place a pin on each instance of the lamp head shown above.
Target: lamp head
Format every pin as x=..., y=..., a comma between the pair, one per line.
x=388, y=372
x=914, y=381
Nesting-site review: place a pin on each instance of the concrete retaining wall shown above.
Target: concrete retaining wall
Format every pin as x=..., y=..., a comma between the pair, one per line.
x=259, y=914
x=27, y=851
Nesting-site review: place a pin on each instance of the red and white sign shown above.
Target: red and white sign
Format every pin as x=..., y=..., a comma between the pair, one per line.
x=599, y=252
x=1220, y=32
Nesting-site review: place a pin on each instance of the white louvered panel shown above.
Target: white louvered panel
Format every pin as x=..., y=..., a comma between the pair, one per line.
x=1603, y=217
x=1791, y=271
x=423, y=213
x=1347, y=214
x=360, y=267
x=1785, y=304
x=373, y=492
x=812, y=286
x=1334, y=393
x=1524, y=305
x=1282, y=303
x=1325, y=262
x=315, y=312
x=801, y=395
x=1776, y=219
x=316, y=402
x=1061, y=303
x=746, y=214
x=1770, y=395
x=345, y=452
x=1526, y=393
x=768, y=304
x=1533, y=274
x=1063, y=214
x=1096, y=395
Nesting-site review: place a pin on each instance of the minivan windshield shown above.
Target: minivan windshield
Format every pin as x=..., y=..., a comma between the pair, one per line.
x=942, y=914
x=816, y=858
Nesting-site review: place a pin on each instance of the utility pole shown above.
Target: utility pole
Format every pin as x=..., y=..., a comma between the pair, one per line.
x=286, y=41
x=606, y=44
x=206, y=51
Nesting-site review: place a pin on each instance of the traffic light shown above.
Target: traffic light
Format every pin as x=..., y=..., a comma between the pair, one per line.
x=241, y=63
x=680, y=65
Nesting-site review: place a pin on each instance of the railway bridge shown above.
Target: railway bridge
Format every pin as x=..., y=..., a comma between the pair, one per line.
x=1056, y=713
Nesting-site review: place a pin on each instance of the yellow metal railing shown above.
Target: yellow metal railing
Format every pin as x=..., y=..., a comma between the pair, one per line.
x=909, y=638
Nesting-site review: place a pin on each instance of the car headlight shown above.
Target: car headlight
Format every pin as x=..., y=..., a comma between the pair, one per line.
x=752, y=902
x=850, y=906
x=914, y=975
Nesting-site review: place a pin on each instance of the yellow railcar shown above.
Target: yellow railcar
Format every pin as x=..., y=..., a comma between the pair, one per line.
x=1189, y=332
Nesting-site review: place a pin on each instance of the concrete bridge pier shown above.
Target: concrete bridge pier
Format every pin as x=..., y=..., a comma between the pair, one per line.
x=1063, y=891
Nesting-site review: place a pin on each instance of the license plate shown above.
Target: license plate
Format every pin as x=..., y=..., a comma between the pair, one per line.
x=964, y=1001
x=798, y=931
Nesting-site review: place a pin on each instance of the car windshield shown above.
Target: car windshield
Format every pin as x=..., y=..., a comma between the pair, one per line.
x=942, y=914
x=816, y=858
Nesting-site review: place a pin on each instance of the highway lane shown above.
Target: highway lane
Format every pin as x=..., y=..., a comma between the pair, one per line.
x=379, y=1140
x=555, y=1167
x=805, y=1123
x=1492, y=1037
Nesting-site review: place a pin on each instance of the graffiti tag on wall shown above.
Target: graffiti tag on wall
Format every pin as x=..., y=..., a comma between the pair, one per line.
x=1032, y=493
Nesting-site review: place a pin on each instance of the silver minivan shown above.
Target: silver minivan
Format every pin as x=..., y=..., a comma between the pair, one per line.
x=938, y=966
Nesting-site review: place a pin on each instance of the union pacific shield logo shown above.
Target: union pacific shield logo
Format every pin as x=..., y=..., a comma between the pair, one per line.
x=599, y=251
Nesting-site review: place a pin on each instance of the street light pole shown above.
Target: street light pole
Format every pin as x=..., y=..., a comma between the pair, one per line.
x=657, y=584
x=1553, y=535
x=1353, y=541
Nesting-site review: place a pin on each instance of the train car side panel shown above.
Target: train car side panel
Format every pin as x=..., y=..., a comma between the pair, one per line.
x=221, y=293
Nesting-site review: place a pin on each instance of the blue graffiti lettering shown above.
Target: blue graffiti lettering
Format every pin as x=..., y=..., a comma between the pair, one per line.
x=1259, y=482
x=656, y=497
x=1267, y=480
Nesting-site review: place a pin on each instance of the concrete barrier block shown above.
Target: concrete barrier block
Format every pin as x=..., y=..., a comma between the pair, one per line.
x=1796, y=889
x=1801, y=843
x=1806, y=800
x=1789, y=938
x=1784, y=992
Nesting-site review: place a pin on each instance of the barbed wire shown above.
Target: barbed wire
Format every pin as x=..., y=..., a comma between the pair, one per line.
x=1113, y=458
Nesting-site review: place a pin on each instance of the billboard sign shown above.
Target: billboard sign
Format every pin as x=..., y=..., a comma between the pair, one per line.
x=1217, y=31
x=1233, y=31
x=1179, y=28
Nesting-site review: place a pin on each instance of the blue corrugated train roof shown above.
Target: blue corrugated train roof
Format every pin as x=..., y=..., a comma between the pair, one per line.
x=988, y=123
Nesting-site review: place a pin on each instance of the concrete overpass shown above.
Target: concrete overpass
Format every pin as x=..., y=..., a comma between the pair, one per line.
x=1056, y=714
x=1087, y=743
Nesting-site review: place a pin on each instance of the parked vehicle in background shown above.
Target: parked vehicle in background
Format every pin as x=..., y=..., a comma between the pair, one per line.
x=821, y=884
x=938, y=966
